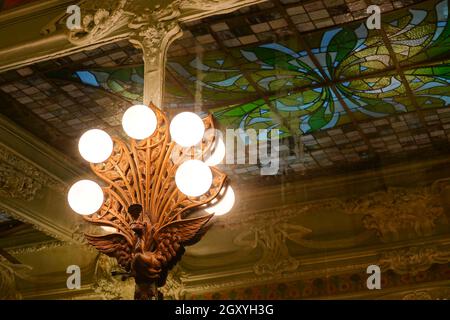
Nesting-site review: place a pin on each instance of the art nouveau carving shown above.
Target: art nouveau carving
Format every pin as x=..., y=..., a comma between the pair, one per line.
x=15, y=184
x=399, y=211
x=38, y=247
x=271, y=238
x=435, y=293
x=418, y=295
x=99, y=18
x=21, y=180
x=150, y=25
x=413, y=260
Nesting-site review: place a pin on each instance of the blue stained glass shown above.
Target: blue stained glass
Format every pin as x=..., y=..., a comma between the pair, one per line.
x=87, y=78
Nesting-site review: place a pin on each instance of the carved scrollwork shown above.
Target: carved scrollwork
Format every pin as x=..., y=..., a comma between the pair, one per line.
x=38, y=247
x=16, y=185
x=399, y=211
x=271, y=238
x=418, y=295
x=21, y=180
x=99, y=18
x=437, y=293
x=413, y=260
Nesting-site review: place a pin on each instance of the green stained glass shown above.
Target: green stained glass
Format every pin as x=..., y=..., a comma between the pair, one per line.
x=430, y=85
x=343, y=69
x=255, y=115
x=125, y=82
x=421, y=33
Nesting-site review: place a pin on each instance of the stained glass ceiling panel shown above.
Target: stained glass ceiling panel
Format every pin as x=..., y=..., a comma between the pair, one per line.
x=420, y=33
x=343, y=91
x=349, y=51
x=314, y=82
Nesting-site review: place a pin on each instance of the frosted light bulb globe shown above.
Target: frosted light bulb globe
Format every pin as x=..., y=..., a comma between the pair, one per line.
x=85, y=197
x=139, y=122
x=193, y=178
x=224, y=205
x=218, y=154
x=95, y=146
x=187, y=129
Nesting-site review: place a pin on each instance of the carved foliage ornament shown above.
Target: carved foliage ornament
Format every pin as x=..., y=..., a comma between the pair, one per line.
x=399, y=211
x=100, y=18
x=413, y=260
x=271, y=238
x=21, y=180
x=145, y=207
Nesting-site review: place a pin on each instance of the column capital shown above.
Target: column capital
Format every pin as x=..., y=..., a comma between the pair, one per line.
x=151, y=25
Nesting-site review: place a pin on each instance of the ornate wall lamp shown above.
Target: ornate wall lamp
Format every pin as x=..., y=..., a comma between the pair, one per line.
x=153, y=184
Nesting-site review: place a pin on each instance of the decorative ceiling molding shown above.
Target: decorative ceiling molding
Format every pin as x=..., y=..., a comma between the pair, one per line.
x=20, y=179
x=399, y=211
x=355, y=261
x=38, y=247
x=150, y=26
x=41, y=224
x=390, y=213
x=435, y=293
x=413, y=260
x=412, y=210
x=50, y=39
x=99, y=18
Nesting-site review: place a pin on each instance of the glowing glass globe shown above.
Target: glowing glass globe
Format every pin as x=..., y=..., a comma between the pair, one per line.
x=187, y=129
x=224, y=205
x=193, y=178
x=139, y=122
x=217, y=155
x=95, y=146
x=85, y=197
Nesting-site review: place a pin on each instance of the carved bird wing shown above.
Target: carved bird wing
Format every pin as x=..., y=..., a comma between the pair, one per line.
x=173, y=236
x=113, y=245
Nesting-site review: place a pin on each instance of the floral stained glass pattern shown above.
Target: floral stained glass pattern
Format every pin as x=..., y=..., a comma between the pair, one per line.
x=331, y=78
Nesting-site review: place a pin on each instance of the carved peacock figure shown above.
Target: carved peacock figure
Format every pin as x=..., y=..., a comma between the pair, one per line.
x=143, y=205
